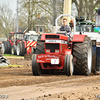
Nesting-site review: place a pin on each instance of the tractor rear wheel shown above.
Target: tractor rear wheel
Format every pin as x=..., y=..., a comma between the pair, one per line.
x=40, y=46
x=36, y=70
x=13, y=50
x=19, y=49
x=8, y=47
x=68, y=65
x=83, y=55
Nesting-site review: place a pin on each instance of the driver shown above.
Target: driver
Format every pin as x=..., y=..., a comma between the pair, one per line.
x=65, y=27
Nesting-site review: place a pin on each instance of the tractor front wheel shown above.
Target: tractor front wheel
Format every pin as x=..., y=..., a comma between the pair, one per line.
x=19, y=49
x=68, y=65
x=36, y=70
x=4, y=47
x=13, y=49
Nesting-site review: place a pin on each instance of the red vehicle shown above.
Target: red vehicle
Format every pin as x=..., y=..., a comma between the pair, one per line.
x=60, y=52
x=20, y=43
x=9, y=46
x=28, y=44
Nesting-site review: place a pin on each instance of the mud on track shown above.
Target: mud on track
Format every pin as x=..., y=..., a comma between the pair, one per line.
x=46, y=86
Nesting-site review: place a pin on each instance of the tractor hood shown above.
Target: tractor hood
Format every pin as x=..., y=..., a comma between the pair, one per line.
x=53, y=36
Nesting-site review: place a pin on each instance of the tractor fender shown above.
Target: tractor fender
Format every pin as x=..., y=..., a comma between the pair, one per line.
x=43, y=37
x=78, y=38
x=11, y=43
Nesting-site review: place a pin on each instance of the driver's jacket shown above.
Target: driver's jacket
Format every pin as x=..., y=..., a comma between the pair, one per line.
x=65, y=28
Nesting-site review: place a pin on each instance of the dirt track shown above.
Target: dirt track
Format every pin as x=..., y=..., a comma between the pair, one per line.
x=18, y=83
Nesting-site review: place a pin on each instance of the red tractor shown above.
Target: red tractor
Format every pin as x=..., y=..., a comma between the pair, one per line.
x=9, y=46
x=28, y=44
x=72, y=55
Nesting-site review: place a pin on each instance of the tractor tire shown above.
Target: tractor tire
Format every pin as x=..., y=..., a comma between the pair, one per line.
x=68, y=65
x=8, y=47
x=19, y=49
x=23, y=49
x=36, y=70
x=1, y=51
x=13, y=50
x=83, y=55
x=3, y=47
x=40, y=46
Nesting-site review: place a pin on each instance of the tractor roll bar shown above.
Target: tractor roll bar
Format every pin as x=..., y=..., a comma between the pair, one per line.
x=68, y=16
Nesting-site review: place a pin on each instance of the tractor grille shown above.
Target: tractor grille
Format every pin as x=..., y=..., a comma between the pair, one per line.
x=52, y=36
x=52, y=47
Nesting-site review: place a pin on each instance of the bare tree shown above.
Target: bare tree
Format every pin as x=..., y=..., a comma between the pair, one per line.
x=7, y=20
x=86, y=8
x=31, y=8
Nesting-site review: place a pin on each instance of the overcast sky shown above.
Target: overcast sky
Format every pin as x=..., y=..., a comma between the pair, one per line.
x=12, y=4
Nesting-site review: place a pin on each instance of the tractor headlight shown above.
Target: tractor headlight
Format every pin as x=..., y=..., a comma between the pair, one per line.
x=56, y=51
x=47, y=50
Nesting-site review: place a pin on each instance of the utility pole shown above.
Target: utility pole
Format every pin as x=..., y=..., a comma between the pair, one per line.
x=17, y=17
